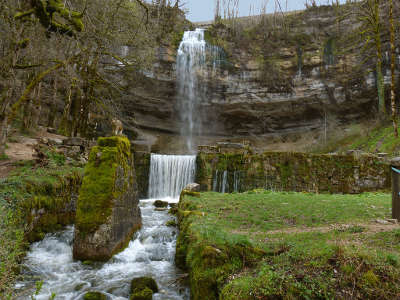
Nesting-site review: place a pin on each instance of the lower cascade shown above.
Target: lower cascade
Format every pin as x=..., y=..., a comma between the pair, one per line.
x=150, y=253
x=169, y=174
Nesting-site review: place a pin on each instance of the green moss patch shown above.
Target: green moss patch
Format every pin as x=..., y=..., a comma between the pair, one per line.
x=99, y=187
x=34, y=200
x=143, y=288
x=94, y=296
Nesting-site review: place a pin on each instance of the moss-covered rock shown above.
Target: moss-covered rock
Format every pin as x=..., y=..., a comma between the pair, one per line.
x=145, y=294
x=143, y=288
x=140, y=283
x=160, y=203
x=107, y=209
x=94, y=296
x=171, y=223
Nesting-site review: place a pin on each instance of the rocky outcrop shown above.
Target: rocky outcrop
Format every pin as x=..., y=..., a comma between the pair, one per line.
x=107, y=210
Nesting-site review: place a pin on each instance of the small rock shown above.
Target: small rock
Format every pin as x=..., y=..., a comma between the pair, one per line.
x=44, y=140
x=383, y=222
x=55, y=141
x=94, y=296
x=161, y=209
x=393, y=221
x=51, y=130
x=160, y=203
x=74, y=141
x=192, y=187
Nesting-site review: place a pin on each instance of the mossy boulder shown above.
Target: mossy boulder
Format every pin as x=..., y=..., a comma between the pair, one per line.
x=145, y=294
x=143, y=288
x=94, y=296
x=107, y=209
x=160, y=203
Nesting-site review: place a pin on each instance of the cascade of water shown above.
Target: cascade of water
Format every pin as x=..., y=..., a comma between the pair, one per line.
x=191, y=61
x=224, y=182
x=169, y=174
x=236, y=181
x=215, y=182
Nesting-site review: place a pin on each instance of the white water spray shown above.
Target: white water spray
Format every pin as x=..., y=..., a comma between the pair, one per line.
x=169, y=174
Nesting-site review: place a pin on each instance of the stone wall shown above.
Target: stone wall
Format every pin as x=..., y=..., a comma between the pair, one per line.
x=285, y=171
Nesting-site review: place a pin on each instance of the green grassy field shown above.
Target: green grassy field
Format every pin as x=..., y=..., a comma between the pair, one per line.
x=304, y=246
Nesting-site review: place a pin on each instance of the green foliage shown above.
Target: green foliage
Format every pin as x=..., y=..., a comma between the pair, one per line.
x=56, y=158
x=11, y=248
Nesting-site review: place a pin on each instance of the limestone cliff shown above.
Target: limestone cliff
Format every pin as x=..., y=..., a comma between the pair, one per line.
x=272, y=81
x=107, y=209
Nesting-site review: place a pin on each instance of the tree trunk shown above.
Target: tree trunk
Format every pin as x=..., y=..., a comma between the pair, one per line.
x=379, y=74
x=37, y=108
x=4, y=103
x=53, y=107
x=392, y=66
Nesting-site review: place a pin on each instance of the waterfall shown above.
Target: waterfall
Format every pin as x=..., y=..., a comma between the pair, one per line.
x=169, y=174
x=191, y=62
x=221, y=179
x=194, y=59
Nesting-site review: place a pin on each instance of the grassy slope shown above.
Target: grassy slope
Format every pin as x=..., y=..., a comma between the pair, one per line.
x=27, y=186
x=373, y=139
x=331, y=261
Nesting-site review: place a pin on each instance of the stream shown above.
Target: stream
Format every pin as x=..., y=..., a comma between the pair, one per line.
x=150, y=253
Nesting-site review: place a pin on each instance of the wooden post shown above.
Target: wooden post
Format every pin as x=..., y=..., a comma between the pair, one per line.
x=395, y=170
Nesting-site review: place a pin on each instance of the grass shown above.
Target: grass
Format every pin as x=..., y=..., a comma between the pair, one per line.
x=262, y=210
x=314, y=246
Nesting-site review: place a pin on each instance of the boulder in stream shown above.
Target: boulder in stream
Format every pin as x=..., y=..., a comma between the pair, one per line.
x=94, y=296
x=107, y=213
x=143, y=288
x=160, y=203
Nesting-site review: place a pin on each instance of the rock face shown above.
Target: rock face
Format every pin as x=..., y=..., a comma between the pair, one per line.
x=305, y=82
x=107, y=210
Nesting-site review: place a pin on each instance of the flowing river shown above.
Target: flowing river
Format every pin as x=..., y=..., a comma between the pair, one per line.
x=150, y=253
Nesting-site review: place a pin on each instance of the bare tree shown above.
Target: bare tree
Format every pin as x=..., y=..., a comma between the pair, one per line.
x=392, y=65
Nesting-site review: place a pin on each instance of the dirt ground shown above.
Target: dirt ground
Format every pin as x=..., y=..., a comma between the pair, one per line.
x=22, y=148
